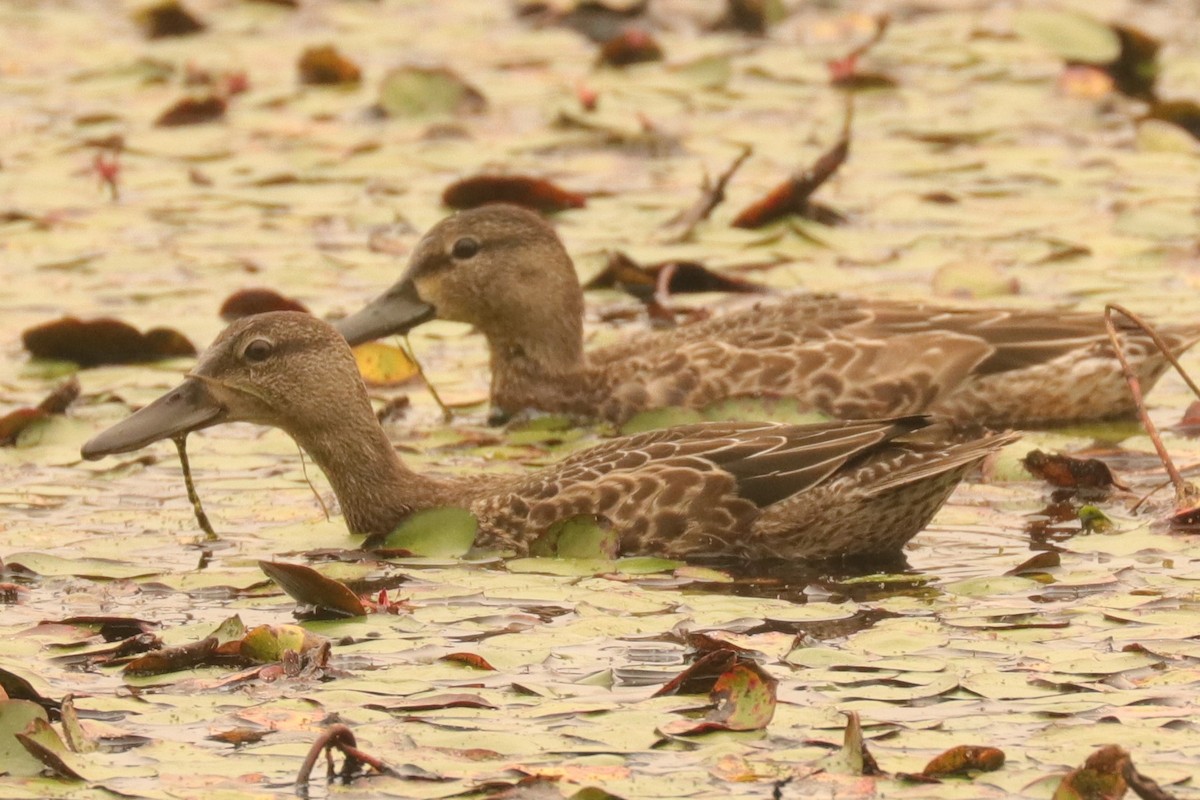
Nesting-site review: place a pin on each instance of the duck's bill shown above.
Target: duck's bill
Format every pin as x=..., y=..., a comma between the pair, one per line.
x=398, y=310
x=188, y=407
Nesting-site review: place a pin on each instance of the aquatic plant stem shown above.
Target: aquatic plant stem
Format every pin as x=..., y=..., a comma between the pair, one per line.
x=201, y=518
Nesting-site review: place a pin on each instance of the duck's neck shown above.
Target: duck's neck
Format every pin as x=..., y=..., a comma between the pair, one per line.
x=543, y=369
x=375, y=489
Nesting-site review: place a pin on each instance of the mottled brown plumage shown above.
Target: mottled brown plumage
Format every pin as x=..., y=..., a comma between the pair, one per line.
x=504, y=270
x=745, y=490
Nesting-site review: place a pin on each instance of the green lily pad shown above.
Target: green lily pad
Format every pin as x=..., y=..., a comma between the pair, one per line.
x=1071, y=36
x=435, y=533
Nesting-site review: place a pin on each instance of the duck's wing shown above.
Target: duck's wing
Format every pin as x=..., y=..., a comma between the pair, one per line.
x=692, y=488
x=847, y=378
x=1021, y=339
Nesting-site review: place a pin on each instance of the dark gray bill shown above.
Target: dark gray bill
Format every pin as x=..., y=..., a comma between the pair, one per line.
x=187, y=407
x=398, y=310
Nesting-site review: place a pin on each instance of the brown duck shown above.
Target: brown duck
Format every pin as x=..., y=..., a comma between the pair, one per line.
x=743, y=490
x=504, y=270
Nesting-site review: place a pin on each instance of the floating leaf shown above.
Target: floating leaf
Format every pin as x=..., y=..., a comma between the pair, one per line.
x=583, y=536
x=307, y=586
x=248, y=302
x=174, y=659
x=266, y=644
x=384, y=365
x=1070, y=472
x=323, y=65
x=744, y=700
x=534, y=193
x=15, y=718
x=964, y=759
x=428, y=91
x=967, y=280
x=103, y=341
x=472, y=660
x=193, y=111
x=701, y=677
x=43, y=743
x=1100, y=777
x=677, y=277
x=12, y=423
x=1071, y=36
x=631, y=46
x=435, y=533
x=434, y=702
x=168, y=18
x=792, y=196
x=1183, y=113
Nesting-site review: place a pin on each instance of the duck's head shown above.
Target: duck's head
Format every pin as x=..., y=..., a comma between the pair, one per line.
x=500, y=268
x=285, y=369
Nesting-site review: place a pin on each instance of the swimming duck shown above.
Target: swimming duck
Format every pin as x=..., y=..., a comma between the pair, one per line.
x=505, y=271
x=741, y=490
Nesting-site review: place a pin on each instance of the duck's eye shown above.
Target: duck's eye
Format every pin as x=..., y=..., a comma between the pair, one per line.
x=258, y=350
x=465, y=248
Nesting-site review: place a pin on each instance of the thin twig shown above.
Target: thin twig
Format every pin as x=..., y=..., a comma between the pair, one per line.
x=711, y=196
x=1185, y=493
x=342, y=738
x=447, y=414
x=201, y=518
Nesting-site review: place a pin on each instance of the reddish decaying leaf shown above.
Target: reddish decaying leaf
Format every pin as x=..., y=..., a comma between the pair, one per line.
x=470, y=659
x=631, y=46
x=323, y=65
x=435, y=702
x=1189, y=425
x=248, y=302
x=173, y=659
x=193, y=111
x=965, y=758
x=168, y=18
x=307, y=586
x=103, y=341
x=700, y=677
x=1100, y=777
x=683, y=277
x=537, y=194
x=792, y=196
x=744, y=700
x=1069, y=472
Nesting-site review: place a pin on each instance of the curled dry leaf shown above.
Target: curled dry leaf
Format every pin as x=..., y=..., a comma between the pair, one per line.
x=104, y=341
x=792, y=196
x=323, y=65
x=743, y=699
x=630, y=46
x=12, y=423
x=700, y=677
x=308, y=587
x=472, y=660
x=193, y=111
x=174, y=659
x=168, y=18
x=681, y=277
x=1069, y=472
x=248, y=302
x=537, y=194
x=963, y=759
x=1100, y=777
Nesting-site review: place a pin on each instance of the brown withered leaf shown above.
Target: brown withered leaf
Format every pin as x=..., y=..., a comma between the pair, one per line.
x=168, y=18
x=469, y=659
x=792, y=196
x=1069, y=472
x=174, y=659
x=1100, y=777
x=323, y=65
x=1184, y=113
x=963, y=759
x=1189, y=425
x=630, y=46
x=1143, y=786
x=1135, y=71
x=536, y=194
x=12, y=423
x=701, y=676
x=103, y=341
x=249, y=302
x=193, y=111
x=434, y=703
x=743, y=699
x=679, y=277
x=308, y=587
x=750, y=16
x=239, y=736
